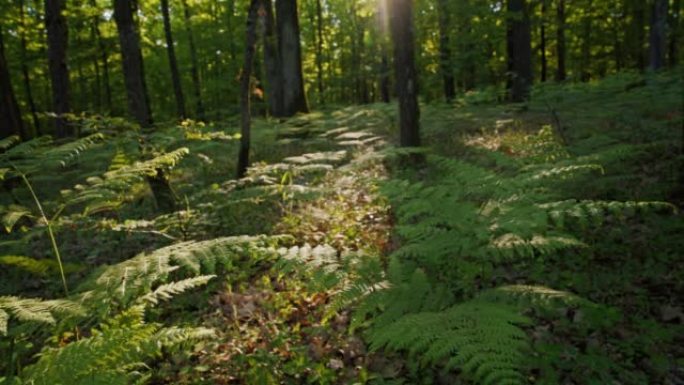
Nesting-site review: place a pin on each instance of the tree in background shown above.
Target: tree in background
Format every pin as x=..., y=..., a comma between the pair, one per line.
x=58, y=40
x=255, y=7
x=401, y=24
x=446, y=66
x=519, y=49
x=658, y=34
x=10, y=117
x=560, y=41
x=132, y=60
x=289, y=47
x=274, y=75
x=194, y=70
x=25, y=70
x=173, y=64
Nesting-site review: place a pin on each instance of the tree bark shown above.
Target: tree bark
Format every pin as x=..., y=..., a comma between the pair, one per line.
x=560, y=41
x=542, y=43
x=287, y=24
x=319, y=52
x=401, y=25
x=133, y=68
x=173, y=64
x=658, y=35
x=194, y=63
x=274, y=90
x=104, y=57
x=10, y=116
x=25, y=71
x=519, y=48
x=674, y=32
x=58, y=38
x=444, y=15
x=246, y=85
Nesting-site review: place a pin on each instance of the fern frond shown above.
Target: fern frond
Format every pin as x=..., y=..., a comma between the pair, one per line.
x=35, y=310
x=532, y=295
x=483, y=339
x=112, y=355
x=8, y=142
x=167, y=291
x=66, y=153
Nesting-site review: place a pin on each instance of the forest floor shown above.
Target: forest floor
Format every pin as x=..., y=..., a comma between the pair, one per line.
x=569, y=204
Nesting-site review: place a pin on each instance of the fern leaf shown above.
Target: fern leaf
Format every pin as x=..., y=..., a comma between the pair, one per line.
x=167, y=291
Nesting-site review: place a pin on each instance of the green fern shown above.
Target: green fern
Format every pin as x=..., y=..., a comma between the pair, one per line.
x=34, y=310
x=114, y=354
x=482, y=339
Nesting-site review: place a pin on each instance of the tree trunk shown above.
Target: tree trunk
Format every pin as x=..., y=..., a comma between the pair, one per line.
x=585, y=73
x=319, y=51
x=194, y=63
x=401, y=23
x=674, y=32
x=104, y=57
x=10, y=116
x=287, y=23
x=542, y=45
x=246, y=85
x=385, y=70
x=25, y=71
x=445, y=50
x=274, y=90
x=519, y=48
x=58, y=38
x=658, y=35
x=560, y=41
x=173, y=64
x=133, y=69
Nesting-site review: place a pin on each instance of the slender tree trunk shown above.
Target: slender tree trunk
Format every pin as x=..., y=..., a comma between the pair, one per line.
x=542, y=45
x=10, y=116
x=98, y=78
x=585, y=73
x=402, y=27
x=674, y=32
x=519, y=48
x=319, y=51
x=58, y=37
x=25, y=71
x=173, y=64
x=194, y=63
x=287, y=23
x=560, y=41
x=133, y=68
x=104, y=57
x=658, y=35
x=246, y=85
x=274, y=75
x=638, y=26
x=385, y=70
x=444, y=15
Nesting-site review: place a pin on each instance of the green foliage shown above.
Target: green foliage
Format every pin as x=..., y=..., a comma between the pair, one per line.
x=34, y=310
x=483, y=339
x=113, y=354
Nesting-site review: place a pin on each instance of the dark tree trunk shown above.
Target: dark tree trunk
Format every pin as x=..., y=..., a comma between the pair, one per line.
x=10, y=116
x=585, y=73
x=542, y=43
x=173, y=64
x=274, y=75
x=25, y=71
x=294, y=98
x=560, y=41
x=194, y=63
x=319, y=51
x=104, y=57
x=445, y=50
x=246, y=85
x=133, y=69
x=385, y=93
x=97, y=88
x=401, y=23
x=658, y=35
x=58, y=38
x=519, y=48
x=637, y=35
x=674, y=32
